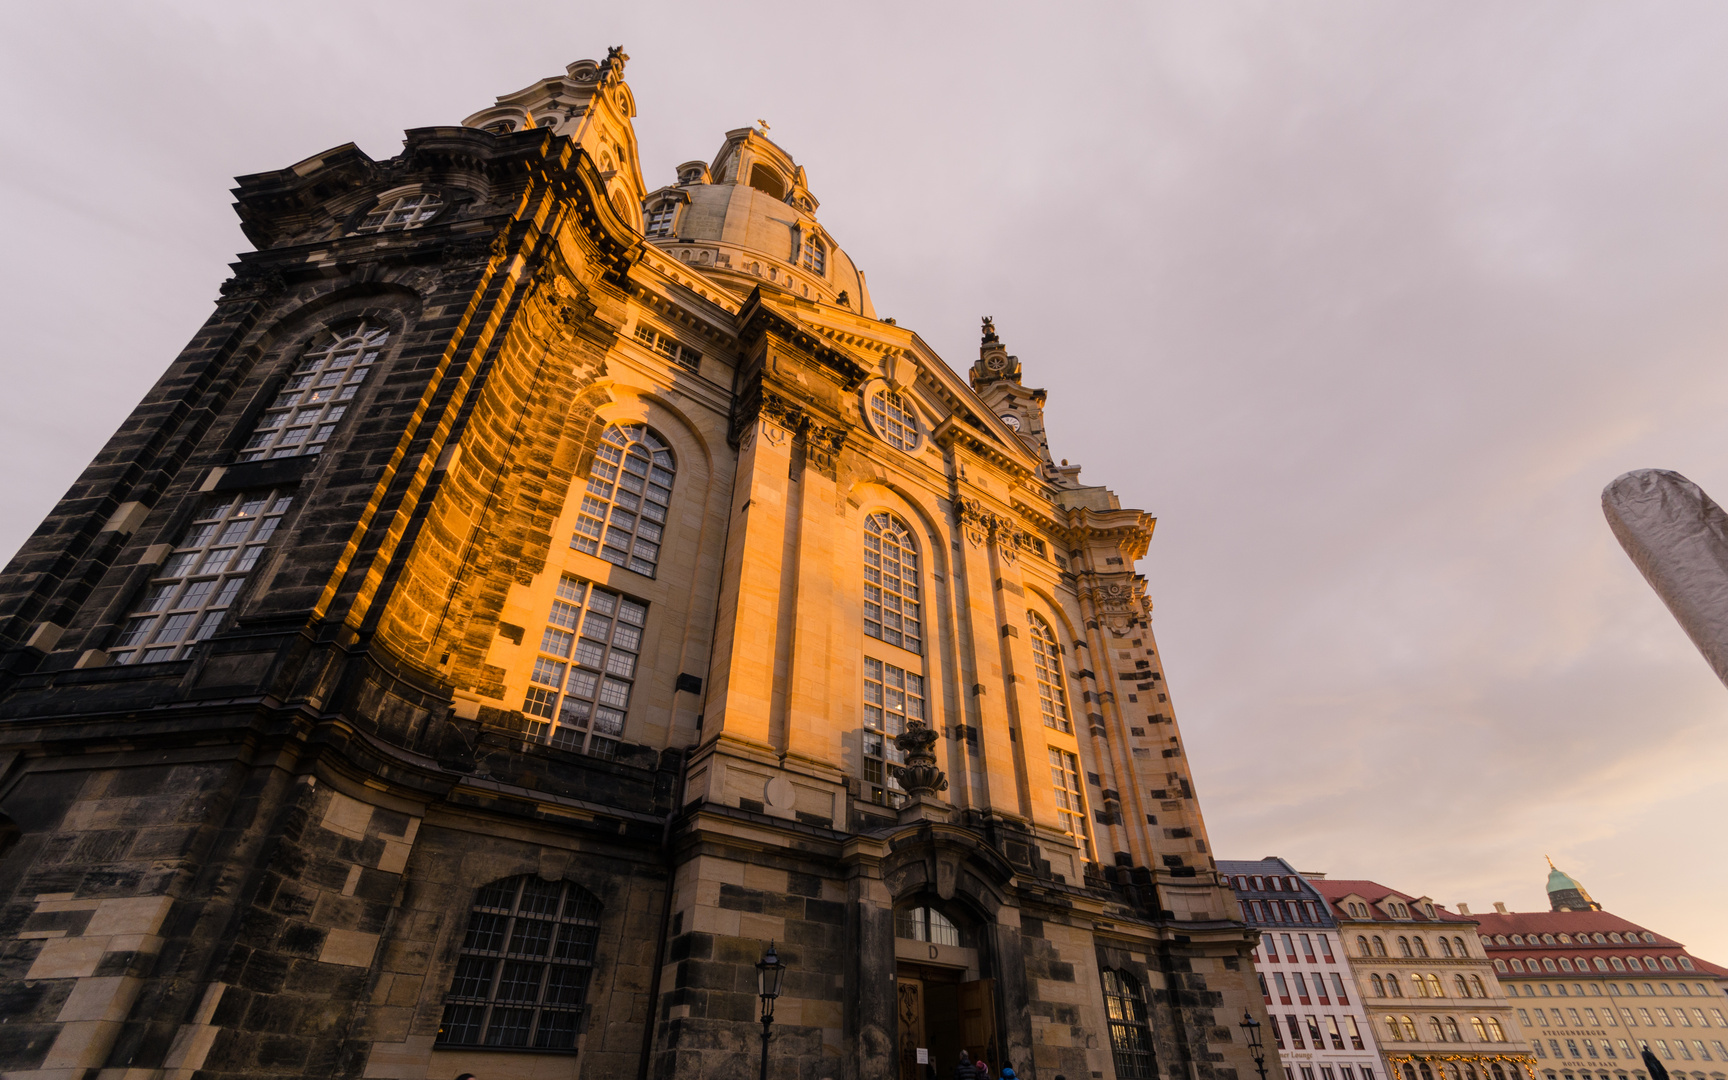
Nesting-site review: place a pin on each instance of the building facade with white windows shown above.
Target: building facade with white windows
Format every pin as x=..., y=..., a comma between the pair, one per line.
x=1437, y=1010
x=1593, y=990
x=1318, y=1023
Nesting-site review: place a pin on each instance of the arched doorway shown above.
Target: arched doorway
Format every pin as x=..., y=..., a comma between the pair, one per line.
x=943, y=1001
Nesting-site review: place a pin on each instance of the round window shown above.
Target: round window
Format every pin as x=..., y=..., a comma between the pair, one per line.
x=1012, y=421
x=895, y=420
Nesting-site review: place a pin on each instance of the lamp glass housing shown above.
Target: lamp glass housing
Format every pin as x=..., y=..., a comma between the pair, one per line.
x=769, y=971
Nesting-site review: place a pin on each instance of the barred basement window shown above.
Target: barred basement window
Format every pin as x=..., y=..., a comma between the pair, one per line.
x=522, y=976
x=192, y=591
x=815, y=253
x=304, y=414
x=624, y=511
x=586, y=668
x=1047, y=665
x=666, y=345
x=1130, y=1037
x=891, y=583
x=894, y=420
x=660, y=219
x=1070, y=805
x=892, y=696
x=402, y=212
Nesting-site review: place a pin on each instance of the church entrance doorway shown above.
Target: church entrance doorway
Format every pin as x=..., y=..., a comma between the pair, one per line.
x=941, y=1012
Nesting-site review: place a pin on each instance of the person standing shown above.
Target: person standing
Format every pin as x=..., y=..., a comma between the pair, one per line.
x=966, y=1070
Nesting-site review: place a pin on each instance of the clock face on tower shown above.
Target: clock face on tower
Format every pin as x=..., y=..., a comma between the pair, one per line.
x=1012, y=421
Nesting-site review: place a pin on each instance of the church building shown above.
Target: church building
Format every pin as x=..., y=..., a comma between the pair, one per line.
x=530, y=596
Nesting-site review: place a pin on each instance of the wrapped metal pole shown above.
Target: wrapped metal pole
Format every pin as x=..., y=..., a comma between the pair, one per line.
x=1678, y=538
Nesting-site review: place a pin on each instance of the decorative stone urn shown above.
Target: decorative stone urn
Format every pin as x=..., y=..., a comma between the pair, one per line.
x=919, y=777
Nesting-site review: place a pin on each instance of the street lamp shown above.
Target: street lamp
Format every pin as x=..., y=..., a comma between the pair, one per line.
x=769, y=972
x=1252, y=1027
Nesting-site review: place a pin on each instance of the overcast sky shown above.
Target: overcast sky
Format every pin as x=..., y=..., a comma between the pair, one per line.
x=1366, y=302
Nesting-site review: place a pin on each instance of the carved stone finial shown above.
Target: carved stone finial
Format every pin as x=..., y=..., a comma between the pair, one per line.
x=843, y=300
x=614, y=62
x=919, y=776
x=989, y=328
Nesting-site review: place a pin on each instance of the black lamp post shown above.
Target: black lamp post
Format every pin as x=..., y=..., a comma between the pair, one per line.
x=769, y=971
x=1252, y=1027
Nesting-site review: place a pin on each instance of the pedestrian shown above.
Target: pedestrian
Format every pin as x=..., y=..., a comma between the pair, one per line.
x=983, y=1068
x=966, y=1070
x=1008, y=1073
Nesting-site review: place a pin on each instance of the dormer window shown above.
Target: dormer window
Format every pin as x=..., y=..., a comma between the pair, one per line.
x=690, y=176
x=765, y=180
x=815, y=253
x=402, y=212
x=660, y=219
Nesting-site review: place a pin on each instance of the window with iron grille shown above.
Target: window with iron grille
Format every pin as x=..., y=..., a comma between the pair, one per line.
x=402, y=212
x=892, y=696
x=1047, y=665
x=894, y=420
x=307, y=408
x=195, y=587
x=582, y=679
x=891, y=594
x=1070, y=806
x=660, y=219
x=1130, y=1037
x=522, y=975
x=623, y=514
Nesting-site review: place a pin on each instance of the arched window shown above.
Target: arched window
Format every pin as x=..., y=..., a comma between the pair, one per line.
x=1362, y=945
x=660, y=219
x=1496, y=1033
x=1452, y=1034
x=1409, y=1027
x=193, y=590
x=1518, y=965
x=1500, y=965
x=522, y=975
x=1434, y=987
x=1445, y=948
x=1479, y=1029
x=1476, y=981
x=767, y=181
x=1458, y=944
x=1379, y=946
x=1418, y=987
x=1392, y=987
x=895, y=420
x=814, y=253
x=1392, y=1029
x=1130, y=1038
x=1404, y=947
x=1618, y=964
x=316, y=395
x=1421, y=947
x=402, y=212
x=1650, y=963
x=891, y=590
x=1463, y=987
x=926, y=924
x=1379, y=987
x=1668, y=962
x=623, y=513
x=1436, y=1029
x=1047, y=665
x=1686, y=962
x=1427, y=1074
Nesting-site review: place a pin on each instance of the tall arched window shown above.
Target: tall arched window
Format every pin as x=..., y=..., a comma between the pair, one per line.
x=1496, y=1033
x=307, y=407
x=1434, y=987
x=623, y=513
x=522, y=976
x=1362, y=945
x=1452, y=1034
x=1463, y=987
x=1047, y=666
x=1130, y=1038
x=1435, y=1029
x=1481, y=1031
x=1379, y=987
x=1392, y=987
x=1392, y=1029
x=1459, y=949
x=1379, y=946
x=1421, y=947
x=1404, y=947
x=815, y=253
x=891, y=595
x=1445, y=947
x=1476, y=981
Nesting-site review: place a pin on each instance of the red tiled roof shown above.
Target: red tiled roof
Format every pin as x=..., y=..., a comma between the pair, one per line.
x=1336, y=889
x=1580, y=922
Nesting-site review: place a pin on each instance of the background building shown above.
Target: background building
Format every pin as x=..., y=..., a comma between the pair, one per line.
x=529, y=594
x=1304, y=974
x=1438, y=1011
x=1594, y=989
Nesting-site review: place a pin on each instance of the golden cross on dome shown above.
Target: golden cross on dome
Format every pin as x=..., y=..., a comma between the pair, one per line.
x=764, y=124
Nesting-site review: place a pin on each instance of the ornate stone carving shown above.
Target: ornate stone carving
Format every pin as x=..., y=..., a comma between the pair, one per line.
x=252, y=284
x=1120, y=605
x=919, y=776
x=980, y=525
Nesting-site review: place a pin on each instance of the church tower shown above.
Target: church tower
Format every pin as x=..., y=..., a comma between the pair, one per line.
x=529, y=595
x=1566, y=894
